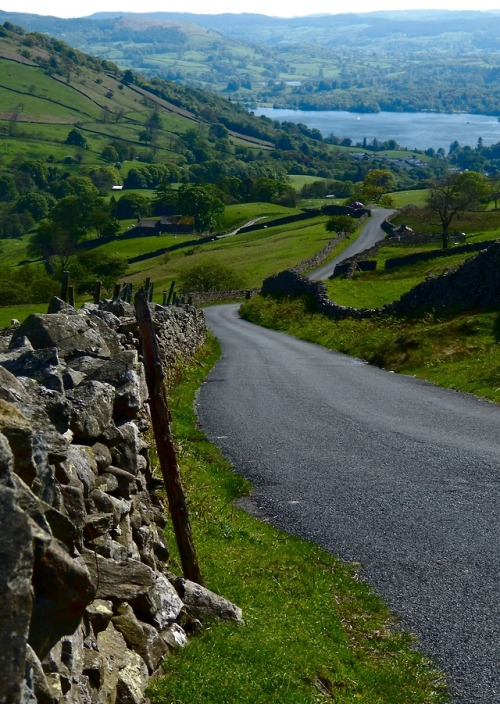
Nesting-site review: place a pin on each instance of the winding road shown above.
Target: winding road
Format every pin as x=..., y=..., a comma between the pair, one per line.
x=377, y=468
x=369, y=235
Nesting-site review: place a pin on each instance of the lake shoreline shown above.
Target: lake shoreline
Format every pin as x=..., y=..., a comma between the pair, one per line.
x=420, y=130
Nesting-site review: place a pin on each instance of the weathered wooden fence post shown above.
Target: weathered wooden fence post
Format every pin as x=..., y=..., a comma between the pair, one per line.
x=170, y=293
x=116, y=292
x=64, y=286
x=71, y=295
x=164, y=298
x=160, y=417
x=97, y=292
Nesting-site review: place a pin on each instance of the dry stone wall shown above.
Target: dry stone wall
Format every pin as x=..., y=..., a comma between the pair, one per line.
x=475, y=284
x=89, y=609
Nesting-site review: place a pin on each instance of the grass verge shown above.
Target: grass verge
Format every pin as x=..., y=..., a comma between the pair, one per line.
x=459, y=351
x=313, y=632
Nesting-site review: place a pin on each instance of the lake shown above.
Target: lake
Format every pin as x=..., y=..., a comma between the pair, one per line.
x=413, y=130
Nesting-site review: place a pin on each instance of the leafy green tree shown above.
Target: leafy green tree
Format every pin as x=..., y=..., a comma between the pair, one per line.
x=200, y=203
x=208, y=275
x=76, y=138
x=453, y=195
x=73, y=186
x=12, y=225
x=165, y=199
x=376, y=183
x=341, y=223
x=104, y=178
x=87, y=267
x=70, y=220
x=132, y=205
x=37, y=203
x=8, y=189
x=128, y=77
x=267, y=190
x=109, y=153
x=217, y=131
x=136, y=178
x=37, y=170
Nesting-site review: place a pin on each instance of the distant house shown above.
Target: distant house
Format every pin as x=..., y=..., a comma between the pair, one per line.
x=173, y=224
x=117, y=188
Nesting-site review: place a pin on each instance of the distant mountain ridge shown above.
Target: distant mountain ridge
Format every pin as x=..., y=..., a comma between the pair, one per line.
x=407, y=60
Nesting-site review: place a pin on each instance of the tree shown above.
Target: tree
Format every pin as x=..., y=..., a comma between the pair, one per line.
x=35, y=202
x=68, y=222
x=76, y=138
x=377, y=182
x=8, y=190
x=200, y=203
x=109, y=153
x=104, y=178
x=165, y=199
x=453, y=195
x=86, y=267
x=209, y=275
x=132, y=205
x=341, y=223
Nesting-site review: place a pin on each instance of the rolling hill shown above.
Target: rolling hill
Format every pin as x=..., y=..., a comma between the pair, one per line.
x=407, y=60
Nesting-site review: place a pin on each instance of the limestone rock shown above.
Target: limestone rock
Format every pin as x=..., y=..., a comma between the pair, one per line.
x=73, y=335
x=161, y=605
x=57, y=305
x=11, y=389
x=129, y=626
x=36, y=682
x=153, y=649
x=100, y=613
x=16, y=428
x=119, y=581
x=126, y=452
x=102, y=455
x=42, y=365
x=82, y=464
x=175, y=637
x=16, y=560
x=132, y=680
x=203, y=604
x=63, y=588
x=92, y=410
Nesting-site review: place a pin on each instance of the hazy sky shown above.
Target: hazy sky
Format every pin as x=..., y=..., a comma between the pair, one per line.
x=281, y=8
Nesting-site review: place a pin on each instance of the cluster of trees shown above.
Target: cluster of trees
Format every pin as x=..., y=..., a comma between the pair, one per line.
x=32, y=189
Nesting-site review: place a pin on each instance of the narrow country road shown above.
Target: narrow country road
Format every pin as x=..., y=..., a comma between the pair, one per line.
x=378, y=468
x=370, y=235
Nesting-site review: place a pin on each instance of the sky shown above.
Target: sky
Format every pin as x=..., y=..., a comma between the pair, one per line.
x=277, y=8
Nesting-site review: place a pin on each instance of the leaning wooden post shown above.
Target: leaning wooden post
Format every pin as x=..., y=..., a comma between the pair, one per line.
x=170, y=292
x=160, y=417
x=64, y=286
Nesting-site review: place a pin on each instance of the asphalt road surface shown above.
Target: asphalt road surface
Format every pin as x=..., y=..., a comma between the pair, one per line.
x=370, y=235
x=378, y=468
